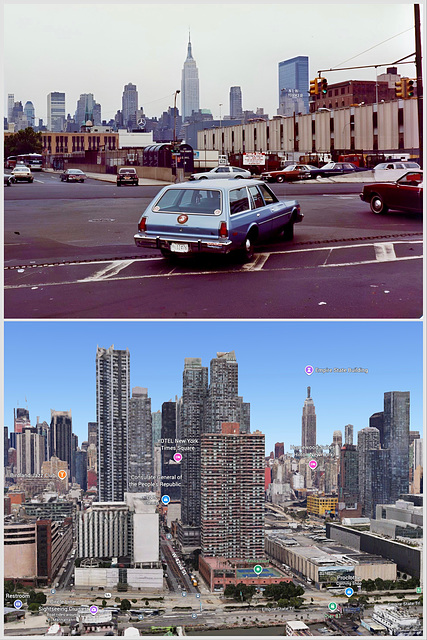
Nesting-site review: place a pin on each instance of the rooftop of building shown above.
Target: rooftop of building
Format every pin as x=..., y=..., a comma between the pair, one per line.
x=325, y=553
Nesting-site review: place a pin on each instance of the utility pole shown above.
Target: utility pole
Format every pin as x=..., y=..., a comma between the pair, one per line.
x=418, y=64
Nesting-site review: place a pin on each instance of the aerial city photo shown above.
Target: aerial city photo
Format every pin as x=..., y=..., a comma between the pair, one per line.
x=304, y=122
x=155, y=485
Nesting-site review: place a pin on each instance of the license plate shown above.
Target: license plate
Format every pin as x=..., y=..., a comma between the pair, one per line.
x=127, y=178
x=179, y=247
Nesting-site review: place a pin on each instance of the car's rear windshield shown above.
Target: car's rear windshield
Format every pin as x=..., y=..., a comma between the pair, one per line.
x=125, y=171
x=204, y=201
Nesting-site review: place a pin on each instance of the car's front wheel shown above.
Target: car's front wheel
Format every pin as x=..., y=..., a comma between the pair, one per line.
x=377, y=204
x=280, y=179
x=203, y=178
x=238, y=177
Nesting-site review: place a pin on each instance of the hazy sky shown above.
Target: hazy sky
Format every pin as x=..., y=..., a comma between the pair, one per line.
x=51, y=365
x=98, y=48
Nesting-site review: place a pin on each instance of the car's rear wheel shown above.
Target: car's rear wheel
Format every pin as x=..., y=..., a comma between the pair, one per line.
x=280, y=179
x=119, y=184
x=238, y=177
x=247, y=253
x=166, y=253
x=288, y=231
x=377, y=204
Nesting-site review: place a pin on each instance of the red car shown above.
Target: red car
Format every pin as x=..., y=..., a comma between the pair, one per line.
x=292, y=172
x=406, y=194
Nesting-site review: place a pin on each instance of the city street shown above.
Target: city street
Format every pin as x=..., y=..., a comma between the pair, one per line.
x=69, y=253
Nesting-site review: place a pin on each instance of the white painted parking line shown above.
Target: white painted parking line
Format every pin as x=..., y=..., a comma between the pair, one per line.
x=258, y=263
x=384, y=251
x=109, y=271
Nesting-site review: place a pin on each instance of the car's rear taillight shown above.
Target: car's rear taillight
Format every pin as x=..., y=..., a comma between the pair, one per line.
x=223, y=230
x=142, y=225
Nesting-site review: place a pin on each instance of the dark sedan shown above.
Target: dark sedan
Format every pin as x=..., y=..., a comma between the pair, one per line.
x=73, y=175
x=334, y=169
x=127, y=175
x=406, y=194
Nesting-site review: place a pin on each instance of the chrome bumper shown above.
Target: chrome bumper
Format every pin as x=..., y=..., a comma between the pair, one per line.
x=195, y=246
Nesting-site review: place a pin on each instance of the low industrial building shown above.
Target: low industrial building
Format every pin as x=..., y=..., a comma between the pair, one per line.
x=327, y=564
x=403, y=520
x=220, y=572
x=408, y=558
x=398, y=620
x=35, y=549
x=296, y=628
x=322, y=505
x=118, y=544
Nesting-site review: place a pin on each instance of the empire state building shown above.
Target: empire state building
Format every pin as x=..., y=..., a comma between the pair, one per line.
x=189, y=85
x=308, y=436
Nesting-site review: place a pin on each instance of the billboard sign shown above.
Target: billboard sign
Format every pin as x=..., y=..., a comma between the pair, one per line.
x=253, y=158
x=338, y=574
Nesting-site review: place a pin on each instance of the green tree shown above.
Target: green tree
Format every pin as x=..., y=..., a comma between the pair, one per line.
x=34, y=606
x=24, y=141
x=104, y=603
x=125, y=605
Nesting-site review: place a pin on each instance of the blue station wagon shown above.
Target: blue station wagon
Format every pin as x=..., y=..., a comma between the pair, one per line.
x=218, y=217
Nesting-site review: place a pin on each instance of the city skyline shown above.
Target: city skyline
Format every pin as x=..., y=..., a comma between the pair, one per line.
x=271, y=371
x=219, y=60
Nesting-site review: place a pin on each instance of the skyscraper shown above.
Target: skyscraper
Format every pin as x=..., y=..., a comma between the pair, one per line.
x=81, y=469
x=308, y=437
x=223, y=403
x=55, y=111
x=170, y=468
x=194, y=392
x=348, y=430
x=140, y=441
x=156, y=422
x=368, y=439
x=30, y=113
x=10, y=103
x=376, y=421
x=30, y=450
x=396, y=439
x=112, y=412
x=337, y=443
x=92, y=433
x=279, y=449
x=189, y=85
x=129, y=105
x=60, y=436
x=349, y=476
x=293, y=86
x=232, y=498
x=236, y=110
x=87, y=109
x=378, y=480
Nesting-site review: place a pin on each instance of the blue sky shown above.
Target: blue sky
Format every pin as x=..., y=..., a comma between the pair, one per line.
x=51, y=365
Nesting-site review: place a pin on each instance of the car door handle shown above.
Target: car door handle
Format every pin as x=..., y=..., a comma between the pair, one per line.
x=258, y=215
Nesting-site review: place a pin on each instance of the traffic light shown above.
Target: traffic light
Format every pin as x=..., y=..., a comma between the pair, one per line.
x=323, y=85
x=409, y=88
x=400, y=88
x=314, y=89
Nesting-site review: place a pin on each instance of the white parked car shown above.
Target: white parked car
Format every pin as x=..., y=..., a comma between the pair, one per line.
x=223, y=171
x=397, y=165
